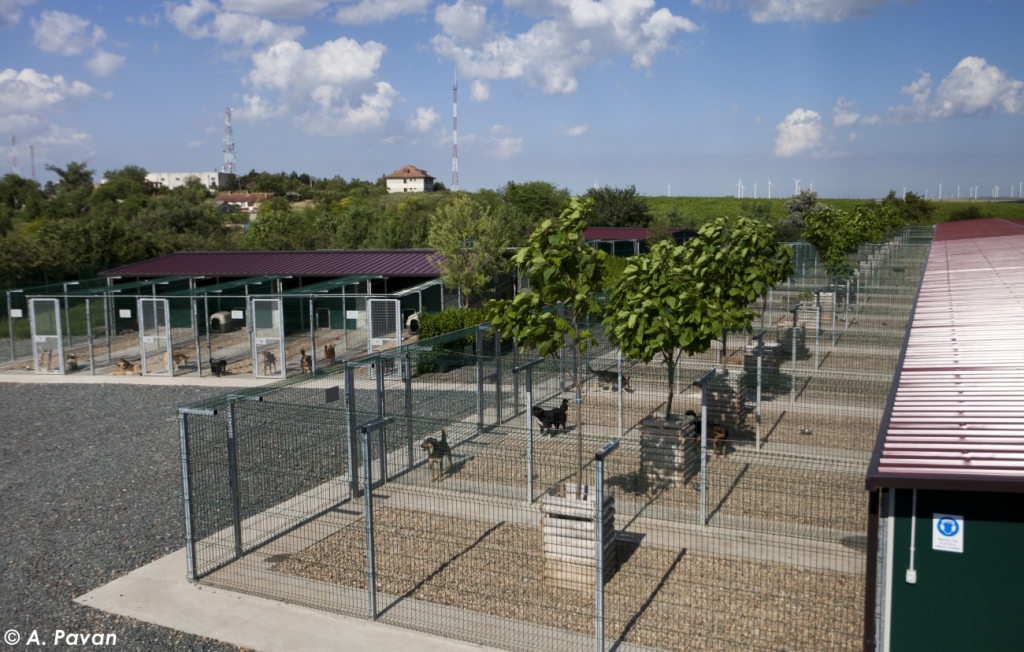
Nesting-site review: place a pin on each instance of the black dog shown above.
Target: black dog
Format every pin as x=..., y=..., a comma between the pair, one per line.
x=218, y=367
x=552, y=419
x=609, y=378
x=437, y=451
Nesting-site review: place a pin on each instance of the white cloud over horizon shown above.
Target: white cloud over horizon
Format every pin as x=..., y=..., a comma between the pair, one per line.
x=424, y=119
x=228, y=27
x=66, y=34
x=570, y=37
x=819, y=11
x=281, y=9
x=10, y=12
x=28, y=97
x=479, y=91
x=377, y=11
x=973, y=87
x=104, y=64
x=800, y=133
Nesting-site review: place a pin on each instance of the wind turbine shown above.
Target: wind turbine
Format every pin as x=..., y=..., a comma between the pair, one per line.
x=769, y=187
x=811, y=186
x=739, y=188
x=940, y=191
x=996, y=193
x=958, y=192
x=797, y=184
x=670, y=190
x=904, y=193
x=755, y=190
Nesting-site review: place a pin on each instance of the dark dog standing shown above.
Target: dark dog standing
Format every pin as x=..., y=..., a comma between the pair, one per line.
x=719, y=434
x=437, y=451
x=218, y=367
x=552, y=419
x=609, y=378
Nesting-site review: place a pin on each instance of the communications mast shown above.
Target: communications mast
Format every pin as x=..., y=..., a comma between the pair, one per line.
x=229, y=145
x=14, y=156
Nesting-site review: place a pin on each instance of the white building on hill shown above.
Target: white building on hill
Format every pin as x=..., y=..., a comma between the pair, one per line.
x=211, y=180
x=410, y=179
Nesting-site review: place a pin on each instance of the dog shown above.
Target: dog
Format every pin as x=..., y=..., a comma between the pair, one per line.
x=269, y=363
x=306, y=362
x=609, y=378
x=179, y=358
x=70, y=362
x=124, y=368
x=719, y=434
x=552, y=419
x=126, y=331
x=329, y=354
x=218, y=367
x=437, y=451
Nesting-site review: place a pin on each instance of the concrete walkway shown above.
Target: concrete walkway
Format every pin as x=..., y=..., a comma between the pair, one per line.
x=226, y=381
x=159, y=593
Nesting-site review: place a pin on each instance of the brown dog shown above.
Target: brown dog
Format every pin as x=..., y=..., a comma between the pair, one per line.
x=70, y=362
x=269, y=363
x=437, y=451
x=721, y=434
x=179, y=358
x=306, y=362
x=329, y=354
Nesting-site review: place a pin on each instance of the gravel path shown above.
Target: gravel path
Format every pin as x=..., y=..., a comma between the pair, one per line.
x=90, y=489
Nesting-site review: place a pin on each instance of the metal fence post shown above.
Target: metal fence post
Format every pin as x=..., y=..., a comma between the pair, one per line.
x=206, y=327
x=618, y=363
x=792, y=390
x=379, y=377
x=350, y=426
x=515, y=379
x=312, y=338
x=190, y=546
x=371, y=567
x=846, y=306
x=195, y=334
x=236, y=511
x=10, y=323
x=599, y=542
x=817, y=325
x=703, y=382
x=528, y=368
x=88, y=330
x=757, y=413
x=408, y=405
x=479, y=379
x=497, y=377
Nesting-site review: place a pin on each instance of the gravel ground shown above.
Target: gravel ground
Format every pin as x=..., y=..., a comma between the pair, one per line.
x=669, y=599
x=87, y=495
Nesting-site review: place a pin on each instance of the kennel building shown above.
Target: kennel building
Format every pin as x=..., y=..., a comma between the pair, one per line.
x=317, y=490
x=629, y=241
x=253, y=312
x=947, y=473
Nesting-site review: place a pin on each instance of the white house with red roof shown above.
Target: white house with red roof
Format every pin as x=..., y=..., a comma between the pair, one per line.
x=409, y=179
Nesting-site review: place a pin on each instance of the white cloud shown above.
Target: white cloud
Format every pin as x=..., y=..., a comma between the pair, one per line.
x=256, y=108
x=479, y=91
x=852, y=137
x=285, y=9
x=104, y=64
x=424, y=119
x=192, y=144
x=573, y=132
x=500, y=130
x=800, y=133
x=505, y=148
x=973, y=87
x=62, y=137
x=391, y=140
x=570, y=36
x=843, y=114
x=464, y=20
x=375, y=11
x=228, y=27
x=821, y=11
x=65, y=34
x=10, y=12
x=27, y=97
x=327, y=88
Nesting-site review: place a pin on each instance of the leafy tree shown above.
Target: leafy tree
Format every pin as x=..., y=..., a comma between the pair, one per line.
x=619, y=207
x=69, y=197
x=536, y=201
x=913, y=208
x=19, y=198
x=798, y=208
x=469, y=241
x=564, y=271
x=682, y=297
x=971, y=212
x=835, y=233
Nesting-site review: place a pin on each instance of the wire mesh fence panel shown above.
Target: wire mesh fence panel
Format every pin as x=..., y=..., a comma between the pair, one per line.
x=155, y=337
x=47, y=340
x=268, y=350
x=383, y=320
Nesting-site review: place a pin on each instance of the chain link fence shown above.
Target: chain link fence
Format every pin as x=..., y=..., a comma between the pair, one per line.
x=434, y=485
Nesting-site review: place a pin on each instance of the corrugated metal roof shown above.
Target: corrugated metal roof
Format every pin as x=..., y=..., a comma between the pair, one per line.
x=405, y=262
x=619, y=233
x=957, y=416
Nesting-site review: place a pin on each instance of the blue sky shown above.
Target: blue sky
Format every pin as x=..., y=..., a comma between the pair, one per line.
x=854, y=97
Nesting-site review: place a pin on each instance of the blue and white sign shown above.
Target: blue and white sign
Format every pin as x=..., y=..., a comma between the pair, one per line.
x=947, y=532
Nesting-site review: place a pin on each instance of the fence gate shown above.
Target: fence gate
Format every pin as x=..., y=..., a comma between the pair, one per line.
x=47, y=342
x=384, y=317
x=268, y=356
x=155, y=335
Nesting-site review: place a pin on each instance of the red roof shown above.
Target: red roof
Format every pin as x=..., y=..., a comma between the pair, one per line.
x=619, y=233
x=957, y=418
x=404, y=262
x=409, y=172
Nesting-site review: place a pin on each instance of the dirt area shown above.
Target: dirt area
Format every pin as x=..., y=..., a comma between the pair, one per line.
x=665, y=598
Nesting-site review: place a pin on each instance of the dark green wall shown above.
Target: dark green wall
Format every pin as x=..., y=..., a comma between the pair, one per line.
x=970, y=601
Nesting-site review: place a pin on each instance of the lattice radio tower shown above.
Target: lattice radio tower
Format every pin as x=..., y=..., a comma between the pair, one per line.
x=455, y=132
x=14, y=156
x=229, y=145
x=32, y=156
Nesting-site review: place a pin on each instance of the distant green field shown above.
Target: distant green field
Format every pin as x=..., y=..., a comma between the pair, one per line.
x=691, y=212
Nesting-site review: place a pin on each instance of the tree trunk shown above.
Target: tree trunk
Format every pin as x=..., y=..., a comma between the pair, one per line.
x=671, y=363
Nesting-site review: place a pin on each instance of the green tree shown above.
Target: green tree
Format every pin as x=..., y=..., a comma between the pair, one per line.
x=468, y=241
x=619, y=207
x=69, y=197
x=913, y=208
x=835, y=233
x=798, y=208
x=564, y=271
x=682, y=297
